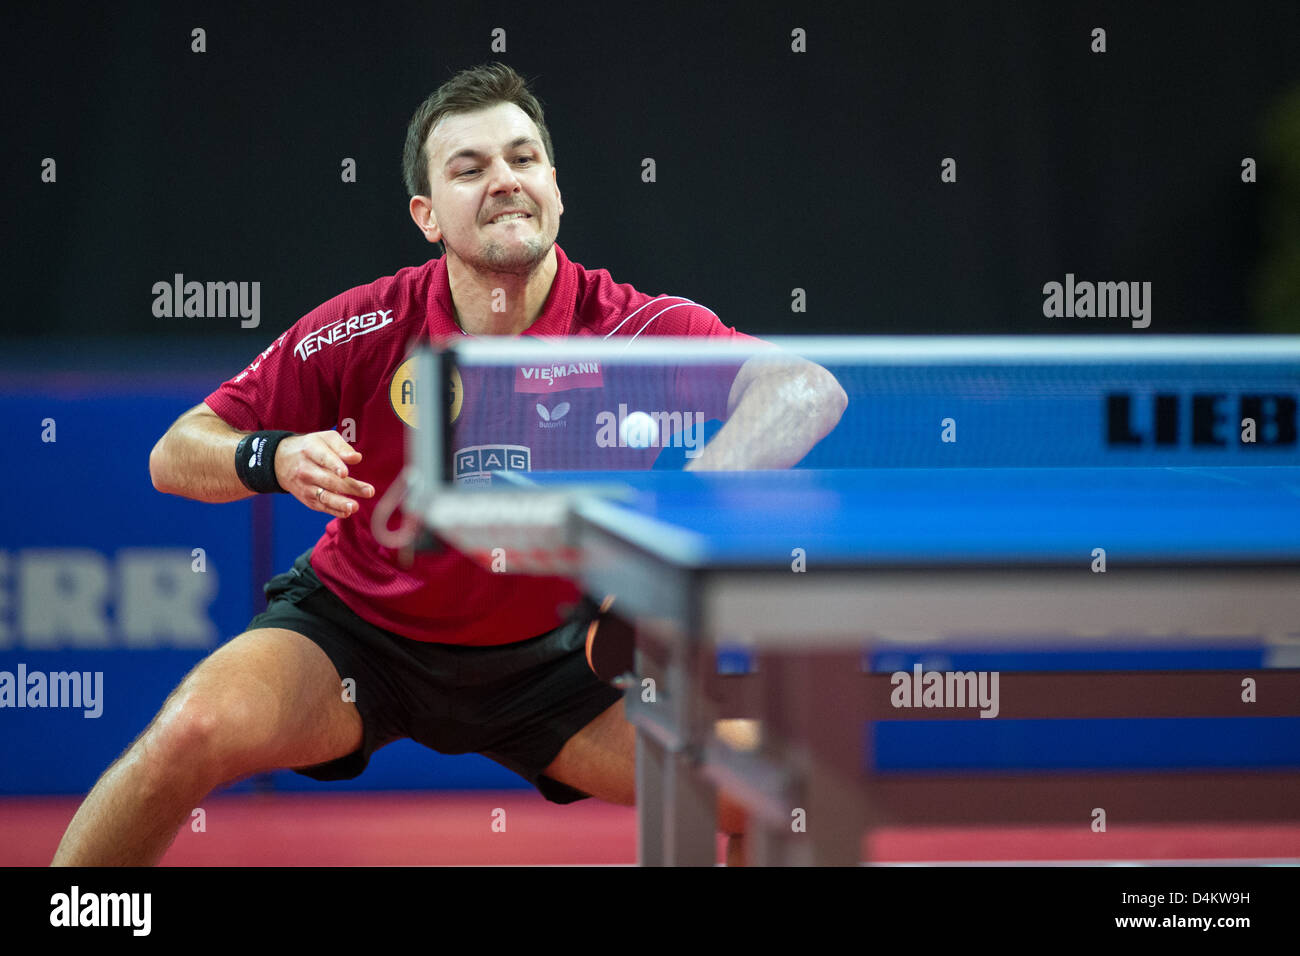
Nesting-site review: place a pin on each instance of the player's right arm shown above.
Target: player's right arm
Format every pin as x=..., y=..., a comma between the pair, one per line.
x=196, y=459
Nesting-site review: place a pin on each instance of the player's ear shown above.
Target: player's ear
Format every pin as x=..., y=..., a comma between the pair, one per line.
x=422, y=212
x=557, y=190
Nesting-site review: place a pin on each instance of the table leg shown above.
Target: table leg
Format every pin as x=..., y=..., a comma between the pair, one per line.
x=691, y=808
x=677, y=804
x=804, y=697
x=690, y=824
x=650, y=760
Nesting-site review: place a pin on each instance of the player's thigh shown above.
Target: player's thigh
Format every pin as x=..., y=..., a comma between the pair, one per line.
x=600, y=760
x=268, y=698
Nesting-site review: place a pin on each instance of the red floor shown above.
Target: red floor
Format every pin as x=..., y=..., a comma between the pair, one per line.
x=419, y=829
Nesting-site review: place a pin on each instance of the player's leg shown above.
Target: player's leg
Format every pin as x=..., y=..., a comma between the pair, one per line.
x=269, y=698
x=601, y=760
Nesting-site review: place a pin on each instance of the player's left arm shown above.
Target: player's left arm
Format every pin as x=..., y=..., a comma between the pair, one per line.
x=780, y=406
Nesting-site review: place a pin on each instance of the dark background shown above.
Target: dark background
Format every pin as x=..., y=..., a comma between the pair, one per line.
x=776, y=170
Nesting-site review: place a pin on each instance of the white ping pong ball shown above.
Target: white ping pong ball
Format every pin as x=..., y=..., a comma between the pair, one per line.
x=639, y=430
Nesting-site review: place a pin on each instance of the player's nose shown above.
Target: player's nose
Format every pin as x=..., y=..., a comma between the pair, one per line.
x=502, y=177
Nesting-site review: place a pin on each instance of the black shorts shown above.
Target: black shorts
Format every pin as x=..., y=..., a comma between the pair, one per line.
x=515, y=703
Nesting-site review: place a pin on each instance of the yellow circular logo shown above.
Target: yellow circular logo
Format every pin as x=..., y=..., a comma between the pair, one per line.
x=404, y=397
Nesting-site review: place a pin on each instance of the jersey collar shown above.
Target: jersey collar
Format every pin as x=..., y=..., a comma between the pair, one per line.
x=557, y=316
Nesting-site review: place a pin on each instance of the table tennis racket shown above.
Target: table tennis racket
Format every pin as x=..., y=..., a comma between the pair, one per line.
x=611, y=643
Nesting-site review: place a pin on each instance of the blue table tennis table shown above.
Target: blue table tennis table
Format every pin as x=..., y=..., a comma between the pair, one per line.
x=813, y=571
x=1111, y=521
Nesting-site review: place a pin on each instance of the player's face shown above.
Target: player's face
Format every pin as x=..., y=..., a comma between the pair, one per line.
x=481, y=165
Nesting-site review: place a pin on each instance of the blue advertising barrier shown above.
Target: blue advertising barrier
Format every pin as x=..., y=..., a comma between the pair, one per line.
x=110, y=592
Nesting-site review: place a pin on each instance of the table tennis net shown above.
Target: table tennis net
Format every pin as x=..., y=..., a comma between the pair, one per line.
x=593, y=405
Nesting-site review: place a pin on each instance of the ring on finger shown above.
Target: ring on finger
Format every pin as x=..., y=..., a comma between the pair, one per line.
x=319, y=492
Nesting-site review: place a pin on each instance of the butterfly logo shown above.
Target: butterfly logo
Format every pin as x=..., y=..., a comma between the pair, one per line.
x=551, y=417
x=555, y=414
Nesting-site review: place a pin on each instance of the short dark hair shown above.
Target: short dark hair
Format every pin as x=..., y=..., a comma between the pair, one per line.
x=467, y=92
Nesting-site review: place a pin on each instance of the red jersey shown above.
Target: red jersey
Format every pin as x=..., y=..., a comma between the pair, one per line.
x=343, y=365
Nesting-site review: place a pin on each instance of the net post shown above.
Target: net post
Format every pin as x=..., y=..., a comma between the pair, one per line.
x=428, y=445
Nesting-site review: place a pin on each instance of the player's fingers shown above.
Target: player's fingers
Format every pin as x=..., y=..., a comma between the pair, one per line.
x=331, y=503
x=314, y=479
x=341, y=485
x=319, y=489
x=358, y=488
x=321, y=453
x=339, y=446
x=320, y=478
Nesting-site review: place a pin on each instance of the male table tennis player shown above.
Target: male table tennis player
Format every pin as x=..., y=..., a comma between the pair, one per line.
x=441, y=651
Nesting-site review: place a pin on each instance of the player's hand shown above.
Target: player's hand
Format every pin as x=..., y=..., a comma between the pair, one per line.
x=314, y=469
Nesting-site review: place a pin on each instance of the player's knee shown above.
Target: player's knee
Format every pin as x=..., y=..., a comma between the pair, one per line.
x=202, y=738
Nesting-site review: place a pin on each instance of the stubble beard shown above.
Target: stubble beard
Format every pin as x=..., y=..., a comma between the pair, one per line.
x=516, y=258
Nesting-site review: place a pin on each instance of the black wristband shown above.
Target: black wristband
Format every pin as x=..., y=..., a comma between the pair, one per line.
x=255, y=461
